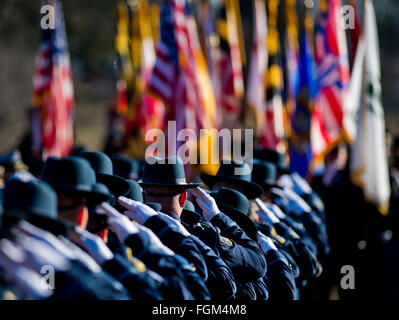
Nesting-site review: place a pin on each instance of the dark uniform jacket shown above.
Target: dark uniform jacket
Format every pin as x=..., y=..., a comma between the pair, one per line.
x=279, y=277
x=181, y=280
x=303, y=262
x=240, y=253
x=140, y=282
x=220, y=281
x=79, y=282
x=178, y=243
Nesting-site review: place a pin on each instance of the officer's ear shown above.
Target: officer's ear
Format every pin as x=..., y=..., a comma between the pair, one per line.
x=83, y=217
x=182, y=199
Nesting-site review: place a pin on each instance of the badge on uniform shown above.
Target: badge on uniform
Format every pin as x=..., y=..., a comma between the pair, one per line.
x=274, y=234
x=225, y=240
x=139, y=265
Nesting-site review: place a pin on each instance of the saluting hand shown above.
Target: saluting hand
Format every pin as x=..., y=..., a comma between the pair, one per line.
x=291, y=201
x=176, y=223
x=265, y=213
x=123, y=227
x=206, y=203
x=266, y=244
x=136, y=210
x=119, y=223
x=155, y=241
x=92, y=244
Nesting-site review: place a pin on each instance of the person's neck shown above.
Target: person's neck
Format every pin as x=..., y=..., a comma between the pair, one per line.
x=172, y=214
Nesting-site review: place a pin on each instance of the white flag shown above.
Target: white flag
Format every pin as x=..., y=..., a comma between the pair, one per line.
x=354, y=97
x=369, y=164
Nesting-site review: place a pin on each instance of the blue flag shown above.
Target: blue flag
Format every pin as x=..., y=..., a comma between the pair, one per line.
x=300, y=148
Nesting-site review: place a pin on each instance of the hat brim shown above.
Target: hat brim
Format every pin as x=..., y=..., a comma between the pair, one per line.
x=56, y=227
x=170, y=185
x=243, y=221
x=190, y=217
x=267, y=184
x=250, y=189
x=92, y=196
x=116, y=185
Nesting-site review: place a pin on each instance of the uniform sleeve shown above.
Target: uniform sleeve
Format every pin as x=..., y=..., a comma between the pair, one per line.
x=313, y=224
x=180, y=244
x=136, y=280
x=175, y=284
x=261, y=289
x=307, y=258
x=221, y=283
x=240, y=253
x=279, y=278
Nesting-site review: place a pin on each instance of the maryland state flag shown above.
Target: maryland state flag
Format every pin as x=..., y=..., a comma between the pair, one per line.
x=300, y=148
x=291, y=56
x=134, y=43
x=53, y=89
x=273, y=134
x=122, y=45
x=333, y=77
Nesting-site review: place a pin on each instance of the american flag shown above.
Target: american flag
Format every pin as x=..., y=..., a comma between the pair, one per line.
x=53, y=89
x=333, y=77
x=174, y=77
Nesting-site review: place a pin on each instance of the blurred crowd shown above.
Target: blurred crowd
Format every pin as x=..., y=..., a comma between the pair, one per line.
x=106, y=226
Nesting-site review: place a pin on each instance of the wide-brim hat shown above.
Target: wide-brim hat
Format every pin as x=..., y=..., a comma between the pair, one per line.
x=55, y=226
x=243, y=221
x=98, y=220
x=226, y=173
x=165, y=172
x=103, y=167
x=116, y=185
x=182, y=187
x=74, y=175
x=97, y=193
x=124, y=167
x=272, y=156
x=264, y=173
x=189, y=214
x=135, y=193
x=236, y=206
x=32, y=200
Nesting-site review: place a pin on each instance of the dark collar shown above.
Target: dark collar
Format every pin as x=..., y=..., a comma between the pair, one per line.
x=171, y=214
x=190, y=217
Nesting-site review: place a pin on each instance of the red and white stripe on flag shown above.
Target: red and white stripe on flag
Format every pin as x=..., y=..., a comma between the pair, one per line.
x=53, y=89
x=333, y=77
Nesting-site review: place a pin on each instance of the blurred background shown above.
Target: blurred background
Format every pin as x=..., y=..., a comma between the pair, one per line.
x=91, y=32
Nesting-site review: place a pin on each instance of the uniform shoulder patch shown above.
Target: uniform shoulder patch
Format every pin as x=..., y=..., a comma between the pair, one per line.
x=138, y=264
x=225, y=240
x=279, y=238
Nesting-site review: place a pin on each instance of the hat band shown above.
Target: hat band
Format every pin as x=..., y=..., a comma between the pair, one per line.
x=178, y=181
